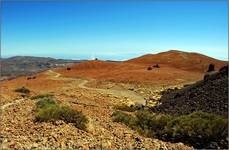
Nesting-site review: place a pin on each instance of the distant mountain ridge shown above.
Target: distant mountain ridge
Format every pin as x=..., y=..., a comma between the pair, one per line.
x=27, y=65
x=33, y=58
x=171, y=62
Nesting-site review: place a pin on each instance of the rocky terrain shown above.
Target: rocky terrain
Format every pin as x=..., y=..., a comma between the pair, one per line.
x=26, y=65
x=208, y=95
x=95, y=88
x=18, y=129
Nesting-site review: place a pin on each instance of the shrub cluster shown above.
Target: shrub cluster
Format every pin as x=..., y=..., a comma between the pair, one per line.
x=127, y=119
x=23, y=90
x=45, y=102
x=48, y=110
x=131, y=108
x=198, y=129
x=42, y=96
x=149, y=68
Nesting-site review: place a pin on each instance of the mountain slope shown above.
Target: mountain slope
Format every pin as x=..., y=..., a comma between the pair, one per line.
x=175, y=67
x=178, y=59
x=209, y=95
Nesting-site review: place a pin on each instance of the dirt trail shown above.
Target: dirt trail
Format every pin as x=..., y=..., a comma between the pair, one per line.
x=19, y=131
x=3, y=107
x=53, y=74
x=119, y=93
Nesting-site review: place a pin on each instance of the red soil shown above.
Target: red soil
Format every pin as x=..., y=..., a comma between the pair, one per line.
x=128, y=72
x=42, y=84
x=178, y=59
x=175, y=67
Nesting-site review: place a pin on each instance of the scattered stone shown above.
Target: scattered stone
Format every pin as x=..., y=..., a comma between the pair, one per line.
x=209, y=95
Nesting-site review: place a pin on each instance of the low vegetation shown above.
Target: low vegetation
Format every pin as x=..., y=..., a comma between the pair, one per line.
x=198, y=129
x=23, y=90
x=127, y=119
x=45, y=102
x=42, y=96
x=131, y=108
x=49, y=110
x=149, y=68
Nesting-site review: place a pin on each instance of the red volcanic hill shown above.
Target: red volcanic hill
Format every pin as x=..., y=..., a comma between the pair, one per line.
x=94, y=64
x=175, y=67
x=178, y=59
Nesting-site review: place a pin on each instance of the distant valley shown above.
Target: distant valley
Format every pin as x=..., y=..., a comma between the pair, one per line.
x=27, y=65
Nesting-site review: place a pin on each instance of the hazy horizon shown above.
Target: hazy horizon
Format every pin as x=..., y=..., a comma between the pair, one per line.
x=113, y=30
x=99, y=56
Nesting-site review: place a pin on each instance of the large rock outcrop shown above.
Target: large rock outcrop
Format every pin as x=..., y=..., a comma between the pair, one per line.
x=208, y=95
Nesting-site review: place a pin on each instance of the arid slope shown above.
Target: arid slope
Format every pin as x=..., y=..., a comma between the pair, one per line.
x=175, y=67
x=20, y=131
x=178, y=59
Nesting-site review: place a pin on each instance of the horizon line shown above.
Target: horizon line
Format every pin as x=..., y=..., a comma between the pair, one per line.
x=102, y=56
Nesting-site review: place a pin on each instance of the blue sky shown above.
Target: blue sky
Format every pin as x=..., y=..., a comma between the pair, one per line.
x=113, y=30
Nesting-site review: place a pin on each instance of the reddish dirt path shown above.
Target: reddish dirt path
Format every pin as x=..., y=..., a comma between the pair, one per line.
x=19, y=131
x=118, y=93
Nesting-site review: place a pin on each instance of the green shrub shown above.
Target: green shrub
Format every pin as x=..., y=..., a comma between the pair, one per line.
x=152, y=124
x=45, y=102
x=198, y=129
x=130, y=108
x=49, y=110
x=47, y=113
x=72, y=116
x=122, y=117
x=41, y=96
x=22, y=90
